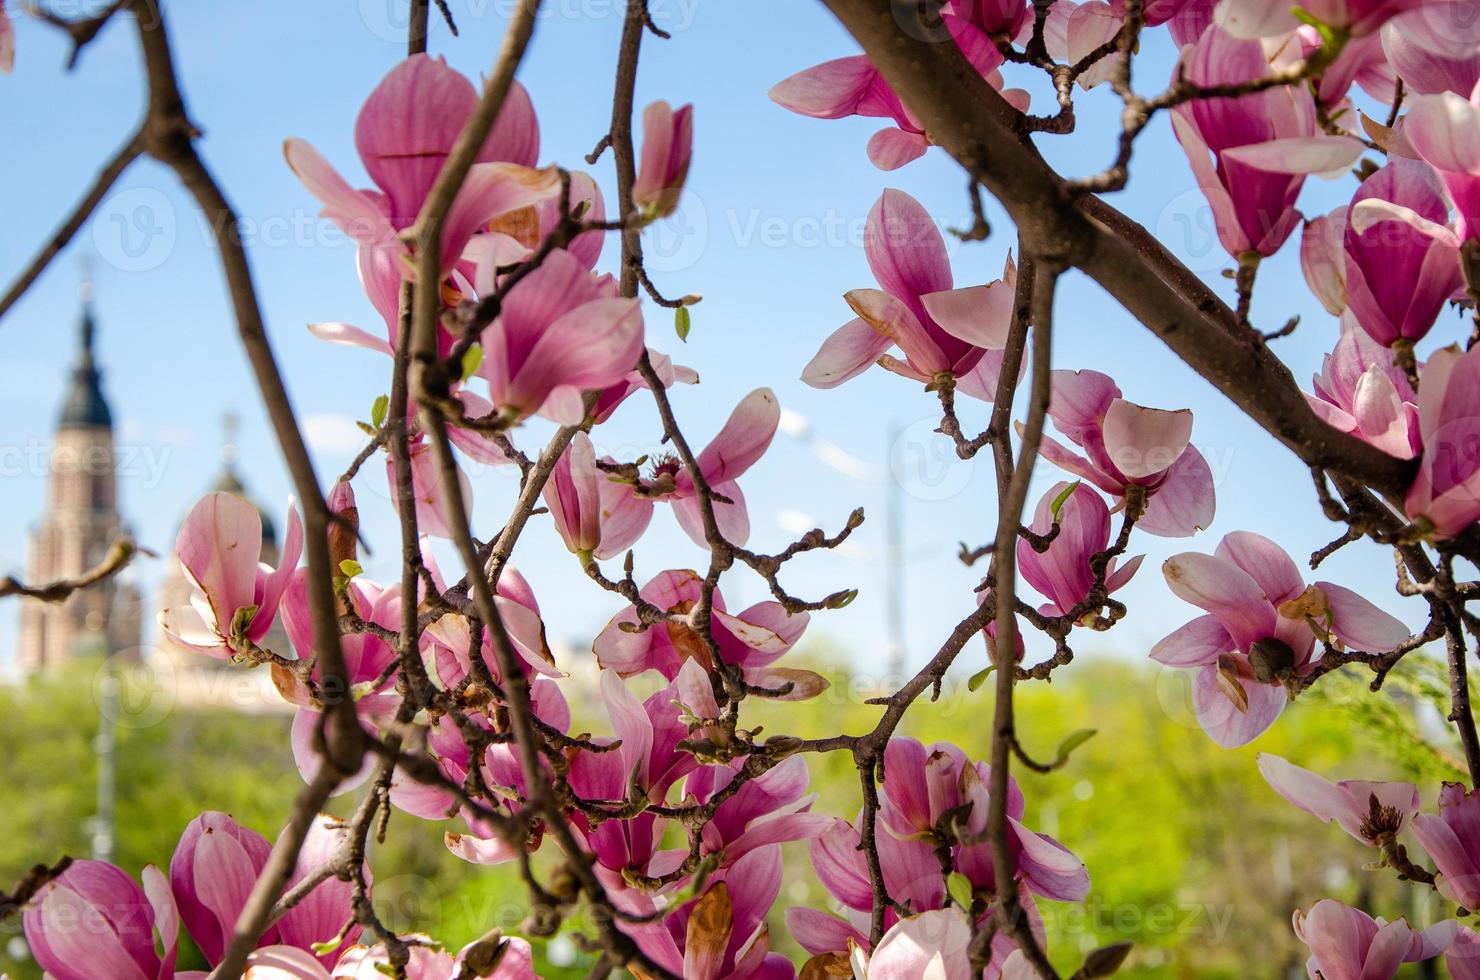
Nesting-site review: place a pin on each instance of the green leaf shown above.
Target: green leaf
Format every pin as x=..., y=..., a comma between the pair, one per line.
x=1063, y=498
x=378, y=410
x=350, y=568
x=959, y=887
x=326, y=947
x=979, y=678
x=1072, y=742
x=471, y=360
x=681, y=323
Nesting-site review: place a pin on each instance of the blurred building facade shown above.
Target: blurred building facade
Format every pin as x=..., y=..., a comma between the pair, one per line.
x=82, y=521
x=80, y=525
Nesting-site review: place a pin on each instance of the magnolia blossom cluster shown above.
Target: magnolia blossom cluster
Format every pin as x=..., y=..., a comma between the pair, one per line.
x=93, y=920
x=538, y=332
x=1348, y=943
x=1387, y=264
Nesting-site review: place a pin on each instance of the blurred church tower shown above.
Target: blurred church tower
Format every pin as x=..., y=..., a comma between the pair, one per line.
x=81, y=523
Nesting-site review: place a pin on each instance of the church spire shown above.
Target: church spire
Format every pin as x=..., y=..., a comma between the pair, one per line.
x=85, y=405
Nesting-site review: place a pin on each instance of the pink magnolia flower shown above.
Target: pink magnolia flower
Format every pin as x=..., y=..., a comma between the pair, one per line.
x=450, y=637
x=1369, y=811
x=283, y=963
x=1453, y=841
x=1421, y=47
x=320, y=916
x=515, y=237
x=7, y=41
x=433, y=514
x=1261, y=628
x=1348, y=944
x=404, y=133
x=1446, y=493
x=752, y=639
x=1323, y=259
x=668, y=373
x=1463, y=957
x=1263, y=144
x=1360, y=391
x=213, y=870
x=853, y=87
x=1127, y=445
x=935, y=945
x=922, y=784
x=513, y=958
x=1062, y=573
x=1189, y=20
x=932, y=944
x=667, y=146
x=561, y=332
x=648, y=760
x=215, y=866
x=1007, y=18
x=1361, y=62
x=593, y=514
x=1085, y=26
x=722, y=934
x=1402, y=261
x=1444, y=129
x=773, y=808
x=93, y=921
x=235, y=596
x=367, y=661
x=746, y=436
x=1268, y=18
x=501, y=768
x=942, y=331
x=1159, y=12
x=847, y=879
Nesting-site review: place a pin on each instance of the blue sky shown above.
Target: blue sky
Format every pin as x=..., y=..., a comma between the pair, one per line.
x=770, y=234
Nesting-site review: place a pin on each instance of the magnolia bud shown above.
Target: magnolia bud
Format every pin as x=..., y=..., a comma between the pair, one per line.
x=1271, y=660
x=345, y=529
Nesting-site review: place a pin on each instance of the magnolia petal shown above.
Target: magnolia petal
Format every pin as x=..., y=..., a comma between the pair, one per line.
x=1195, y=644
x=979, y=315
x=743, y=440
x=819, y=933
x=893, y=318
x=904, y=246
x=1299, y=154
x=1265, y=562
x=355, y=212
x=831, y=90
x=1445, y=130
x=1360, y=624
x=1185, y=502
x=1222, y=588
x=1142, y=441
x=351, y=336
x=845, y=354
x=890, y=149
x=1223, y=721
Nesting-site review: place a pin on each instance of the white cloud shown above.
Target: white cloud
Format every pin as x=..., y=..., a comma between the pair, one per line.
x=333, y=435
